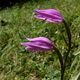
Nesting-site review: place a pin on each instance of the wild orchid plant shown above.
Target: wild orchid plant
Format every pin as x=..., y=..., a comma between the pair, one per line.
x=44, y=44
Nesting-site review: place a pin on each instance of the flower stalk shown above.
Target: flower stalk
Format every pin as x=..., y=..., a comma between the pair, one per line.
x=69, y=44
x=61, y=61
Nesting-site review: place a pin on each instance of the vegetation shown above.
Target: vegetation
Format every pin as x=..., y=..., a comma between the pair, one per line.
x=18, y=22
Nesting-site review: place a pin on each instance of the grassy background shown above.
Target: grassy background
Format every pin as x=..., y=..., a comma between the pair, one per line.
x=18, y=22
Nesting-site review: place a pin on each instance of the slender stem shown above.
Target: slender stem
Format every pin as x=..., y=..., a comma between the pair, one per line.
x=69, y=39
x=61, y=61
x=68, y=34
x=69, y=44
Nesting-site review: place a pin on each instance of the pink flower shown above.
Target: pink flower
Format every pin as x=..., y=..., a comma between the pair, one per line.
x=38, y=44
x=50, y=15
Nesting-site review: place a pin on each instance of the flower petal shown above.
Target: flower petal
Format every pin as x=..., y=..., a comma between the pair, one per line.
x=40, y=17
x=54, y=20
x=48, y=11
x=51, y=15
x=40, y=39
x=38, y=48
x=33, y=46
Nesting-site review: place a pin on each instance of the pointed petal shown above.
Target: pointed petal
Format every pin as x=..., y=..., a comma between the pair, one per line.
x=41, y=39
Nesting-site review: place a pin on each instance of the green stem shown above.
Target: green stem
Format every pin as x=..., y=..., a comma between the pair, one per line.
x=69, y=44
x=61, y=61
x=68, y=34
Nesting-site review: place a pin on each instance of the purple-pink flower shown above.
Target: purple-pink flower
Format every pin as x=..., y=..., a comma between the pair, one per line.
x=38, y=44
x=50, y=15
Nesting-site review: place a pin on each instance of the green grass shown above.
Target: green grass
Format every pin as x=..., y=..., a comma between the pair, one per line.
x=18, y=22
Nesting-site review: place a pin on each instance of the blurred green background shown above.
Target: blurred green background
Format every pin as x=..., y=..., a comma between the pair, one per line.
x=18, y=22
